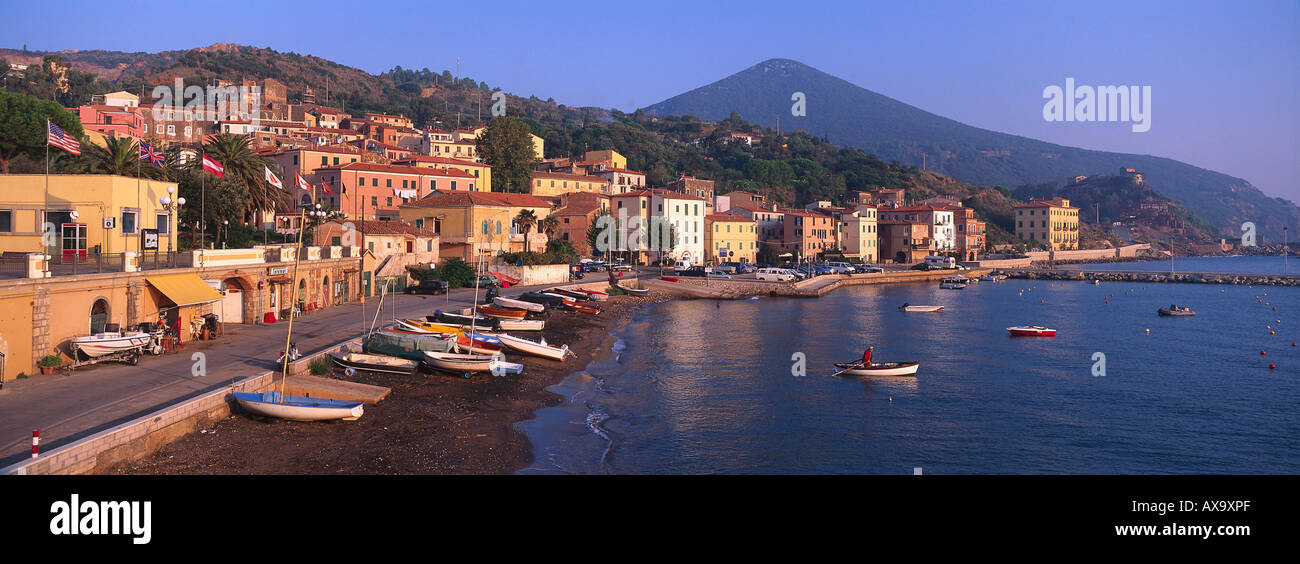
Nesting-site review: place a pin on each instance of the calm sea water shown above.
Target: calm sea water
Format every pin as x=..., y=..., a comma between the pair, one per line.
x=1244, y=265
x=707, y=387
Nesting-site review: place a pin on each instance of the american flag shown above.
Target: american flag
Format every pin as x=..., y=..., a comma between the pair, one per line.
x=61, y=139
x=152, y=155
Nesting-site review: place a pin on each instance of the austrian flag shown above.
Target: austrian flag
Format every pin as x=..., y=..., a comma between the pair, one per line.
x=271, y=178
x=211, y=165
x=302, y=183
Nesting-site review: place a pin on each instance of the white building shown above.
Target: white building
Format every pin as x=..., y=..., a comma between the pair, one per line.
x=686, y=214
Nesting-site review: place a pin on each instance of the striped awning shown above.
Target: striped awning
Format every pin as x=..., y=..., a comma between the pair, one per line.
x=184, y=289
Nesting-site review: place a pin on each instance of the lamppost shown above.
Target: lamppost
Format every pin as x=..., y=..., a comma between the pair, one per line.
x=1285, y=249
x=173, y=214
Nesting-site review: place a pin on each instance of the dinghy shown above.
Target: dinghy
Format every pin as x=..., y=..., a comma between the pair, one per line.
x=501, y=312
x=952, y=286
x=471, y=363
x=570, y=294
x=581, y=308
x=634, y=291
x=542, y=298
x=296, y=408
x=920, y=308
x=1031, y=331
x=101, y=344
x=406, y=345
x=596, y=295
x=907, y=368
x=518, y=304
x=535, y=348
x=440, y=316
x=375, y=363
x=522, y=324
x=1176, y=312
x=993, y=277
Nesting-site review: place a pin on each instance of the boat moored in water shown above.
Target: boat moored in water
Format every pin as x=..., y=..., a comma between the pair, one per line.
x=920, y=308
x=907, y=368
x=1031, y=331
x=1174, y=311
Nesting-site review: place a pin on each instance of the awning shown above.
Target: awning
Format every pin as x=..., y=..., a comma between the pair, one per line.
x=184, y=289
x=279, y=280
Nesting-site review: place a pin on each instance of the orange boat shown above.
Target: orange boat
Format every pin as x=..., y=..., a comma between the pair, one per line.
x=502, y=312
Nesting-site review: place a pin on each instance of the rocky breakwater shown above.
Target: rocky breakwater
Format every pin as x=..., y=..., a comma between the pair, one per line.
x=1176, y=277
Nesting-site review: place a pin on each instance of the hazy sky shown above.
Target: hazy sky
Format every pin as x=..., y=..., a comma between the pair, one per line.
x=1224, y=76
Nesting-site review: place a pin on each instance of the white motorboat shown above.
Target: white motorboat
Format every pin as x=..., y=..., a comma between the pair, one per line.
x=298, y=408
x=518, y=304
x=535, y=348
x=1031, y=331
x=101, y=344
x=952, y=285
x=880, y=368
x=993, y=277
x=920, y=308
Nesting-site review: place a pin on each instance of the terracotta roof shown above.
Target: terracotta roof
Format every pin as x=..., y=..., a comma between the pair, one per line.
x=394, y=169
x=442, y=160
x=621, y=170
x=567, y=176
x=671, y=195
x=385, y=228
x=1044, y=204
x=465, y=198
x=727, y=217
x=322, y=149
x=757, y=209
x=638, y=193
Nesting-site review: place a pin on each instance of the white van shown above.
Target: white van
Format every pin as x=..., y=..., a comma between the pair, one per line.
x=681, y=265
x=840, y=267
x=941, y=262
x=774, y=274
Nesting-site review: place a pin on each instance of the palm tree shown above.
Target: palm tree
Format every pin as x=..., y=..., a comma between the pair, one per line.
x=244, y=165
x=525, y=221
x=550, y=226
x=120, y=156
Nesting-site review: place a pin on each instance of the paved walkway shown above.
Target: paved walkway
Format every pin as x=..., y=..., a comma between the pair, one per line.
x=71, y=405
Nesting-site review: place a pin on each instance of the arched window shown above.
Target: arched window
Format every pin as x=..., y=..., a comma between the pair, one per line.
x=98, y=316
x=485, y=227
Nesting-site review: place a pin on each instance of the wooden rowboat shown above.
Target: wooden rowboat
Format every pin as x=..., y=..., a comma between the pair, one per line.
x=535, y=348
x=298, y=408
x=582, y=308
x=376, y=363
x=1031, y=331
x=668, y=278
x=518, y=304
x=501, y=312
x=596, y=295
x=920, y=308
x=570, y=294
x=907, y=368
x=634, y=291
x=471, y=363
x=522, y=324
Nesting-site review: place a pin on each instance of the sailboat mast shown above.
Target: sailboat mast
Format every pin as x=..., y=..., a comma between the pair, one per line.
x=293, y=301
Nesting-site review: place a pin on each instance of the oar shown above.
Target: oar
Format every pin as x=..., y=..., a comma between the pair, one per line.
x=857, y=364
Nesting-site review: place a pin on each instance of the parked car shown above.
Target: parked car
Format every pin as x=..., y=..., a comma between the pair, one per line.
x=691, y=271
x=622, y=268
x=800, y=275
x=775, y=275
x=840, y=267
x=487, y=280
x=728, y=267
x=746, y=268
x=682, y=265
x=862, y=268
x=714, y=273
x=428, y=287
x=924, y=266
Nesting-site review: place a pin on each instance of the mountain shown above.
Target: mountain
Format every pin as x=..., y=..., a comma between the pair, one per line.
x=848, y=114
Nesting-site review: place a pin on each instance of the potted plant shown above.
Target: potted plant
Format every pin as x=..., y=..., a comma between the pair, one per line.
x=50, y=363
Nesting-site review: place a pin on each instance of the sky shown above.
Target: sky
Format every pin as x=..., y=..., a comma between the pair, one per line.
x=1224, y=75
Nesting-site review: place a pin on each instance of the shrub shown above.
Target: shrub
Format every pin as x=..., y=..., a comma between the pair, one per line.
x=456, y=272
x=321, y=365
x=51, y=360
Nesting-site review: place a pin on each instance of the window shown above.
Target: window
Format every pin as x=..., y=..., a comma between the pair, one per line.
x=161, y=222
x=433, y=184
x=388, y=183
x=189, y=131
x=129, y=222
x=453, y=184
x=374, y=201
x=374, y=181
x=171, y=130
x=388, y=201
x=6, y=221
x=336, y=160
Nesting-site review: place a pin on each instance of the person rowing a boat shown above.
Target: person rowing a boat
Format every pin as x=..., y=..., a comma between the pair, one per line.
x=866, y=356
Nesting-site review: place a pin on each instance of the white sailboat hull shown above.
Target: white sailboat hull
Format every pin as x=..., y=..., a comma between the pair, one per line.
x=298, y=408
x=534, y=348
x=518, y=304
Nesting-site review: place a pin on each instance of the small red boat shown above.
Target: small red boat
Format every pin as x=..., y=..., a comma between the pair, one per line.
x=502, y=312
x=583, y=308
x=1031, y=331
x=668, y=278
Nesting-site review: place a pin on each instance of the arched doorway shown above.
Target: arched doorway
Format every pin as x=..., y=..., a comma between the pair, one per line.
x=99, y=312
x=302, y=294
x=325, y=291
x=231, y=308
x=901, y=257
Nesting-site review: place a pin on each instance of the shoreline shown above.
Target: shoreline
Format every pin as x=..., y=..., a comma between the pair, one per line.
x=430, y=424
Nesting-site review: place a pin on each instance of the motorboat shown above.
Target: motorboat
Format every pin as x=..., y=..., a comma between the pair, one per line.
x=472, y=363
x=1031, y=331
x=518, y=304
x=502, y=312
x=101, y=344
x=1174, y=311
x=634, y=291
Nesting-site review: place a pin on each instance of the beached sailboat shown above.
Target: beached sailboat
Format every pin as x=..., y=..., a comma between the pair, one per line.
x=471, y=363
x=595, y=295
x=406, y=345
x=296, y=408
x=440, y=316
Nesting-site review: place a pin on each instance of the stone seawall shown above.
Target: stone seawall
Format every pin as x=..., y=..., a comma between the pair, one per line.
x=1178, y=277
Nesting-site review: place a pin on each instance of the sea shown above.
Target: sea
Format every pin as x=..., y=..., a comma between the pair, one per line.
x=748, y=386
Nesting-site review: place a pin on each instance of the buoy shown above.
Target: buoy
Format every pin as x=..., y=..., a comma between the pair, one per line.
x=1272, y=366
x=1272, y=332
x=1293, y=344
x=1274, y=308
x=1261, y=353
x=1148, y=330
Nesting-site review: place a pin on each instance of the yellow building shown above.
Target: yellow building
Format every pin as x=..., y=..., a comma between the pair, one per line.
x=481, y=171
x=1052, y=222
x=87, y=214
x=613, y=157
x=471, y=222
x=548, y=184
x=471, y=135
x=730, y=238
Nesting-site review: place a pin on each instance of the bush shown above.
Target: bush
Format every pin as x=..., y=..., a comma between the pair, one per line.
x=456, y=272
x=321, y=365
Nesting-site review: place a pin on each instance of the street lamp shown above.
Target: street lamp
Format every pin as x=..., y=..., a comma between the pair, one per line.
x=173, y=211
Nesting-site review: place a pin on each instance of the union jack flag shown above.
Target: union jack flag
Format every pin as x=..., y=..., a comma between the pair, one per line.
x=60, y=138
x=152, y=155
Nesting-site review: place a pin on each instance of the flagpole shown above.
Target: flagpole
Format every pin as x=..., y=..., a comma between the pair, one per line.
x=45, y=214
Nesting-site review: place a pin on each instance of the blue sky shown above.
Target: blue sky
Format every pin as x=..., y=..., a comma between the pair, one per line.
x=1225, y=76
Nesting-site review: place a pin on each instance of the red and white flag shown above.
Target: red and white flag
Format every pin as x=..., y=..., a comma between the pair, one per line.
x=211, y=165
x=302, y=183
x=325, y=187
x=56, y=137
x=272, y=179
